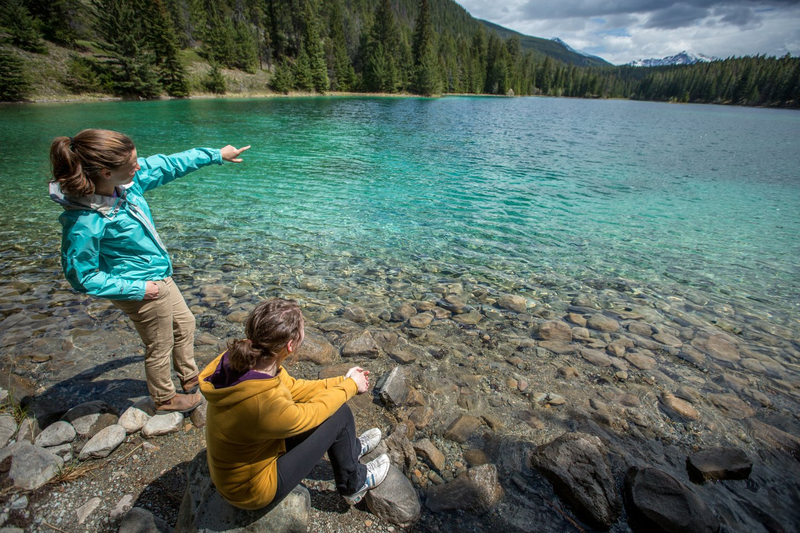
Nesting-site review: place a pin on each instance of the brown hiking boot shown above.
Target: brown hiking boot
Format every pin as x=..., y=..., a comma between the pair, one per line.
x=180, y=403
x=191, y=386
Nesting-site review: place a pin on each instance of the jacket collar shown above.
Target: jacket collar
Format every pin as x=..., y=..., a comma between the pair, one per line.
x=105, y=205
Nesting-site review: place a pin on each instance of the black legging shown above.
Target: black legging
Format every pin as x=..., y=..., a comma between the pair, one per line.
x=337, y=436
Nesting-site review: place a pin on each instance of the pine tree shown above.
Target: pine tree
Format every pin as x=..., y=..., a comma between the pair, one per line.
x=172, y=73
x=126, y=58
x=314, y=53
x=283, y=79
x=380, y=69
x=343, y=75
x=426, y=62
x=14, y=83
x=303, y=77
x=215, y=80
x=24, y=28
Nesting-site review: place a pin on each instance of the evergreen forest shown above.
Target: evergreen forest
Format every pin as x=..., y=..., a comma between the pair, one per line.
x=152, y=48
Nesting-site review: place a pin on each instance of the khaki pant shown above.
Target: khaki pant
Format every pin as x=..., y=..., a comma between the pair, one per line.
x=166, y=327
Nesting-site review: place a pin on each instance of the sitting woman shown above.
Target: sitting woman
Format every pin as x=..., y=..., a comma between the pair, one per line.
x=265, y=430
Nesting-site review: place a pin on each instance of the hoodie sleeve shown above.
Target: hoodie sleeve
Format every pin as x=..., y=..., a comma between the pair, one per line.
x=287, y=418
x=304, y=390
x=80, y=259
x=159, y=170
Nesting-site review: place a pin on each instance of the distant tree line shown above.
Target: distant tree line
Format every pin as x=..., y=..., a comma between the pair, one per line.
x=387, y=46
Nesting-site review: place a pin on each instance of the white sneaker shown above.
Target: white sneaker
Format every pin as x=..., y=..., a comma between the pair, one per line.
x=369, y=440
x=377, y=469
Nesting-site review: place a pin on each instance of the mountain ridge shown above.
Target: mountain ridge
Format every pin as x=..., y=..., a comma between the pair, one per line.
x=683, y=58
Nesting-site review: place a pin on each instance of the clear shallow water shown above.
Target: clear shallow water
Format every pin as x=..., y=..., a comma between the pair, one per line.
x=702, y=201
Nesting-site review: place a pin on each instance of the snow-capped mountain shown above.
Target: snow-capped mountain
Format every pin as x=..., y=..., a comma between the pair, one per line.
x=684, y=58
x=568, y=47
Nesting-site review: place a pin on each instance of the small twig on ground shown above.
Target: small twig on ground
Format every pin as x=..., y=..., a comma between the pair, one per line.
x=73, y=473
x=54, y=527
x=130, y=452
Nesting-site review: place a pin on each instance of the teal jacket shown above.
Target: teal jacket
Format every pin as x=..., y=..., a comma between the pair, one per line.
x=110, y=246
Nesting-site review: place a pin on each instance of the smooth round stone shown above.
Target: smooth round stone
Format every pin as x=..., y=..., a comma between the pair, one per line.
x=513, y=302
x=421, y=321
x=596, y=357
x=678, y=409
x=555, y=330
x=133, y=419
x=603, y=323
x=641, y=361
x=102, y=444
x=640, y=328
x=55, y=434
x=669, y=340
x=162, y=424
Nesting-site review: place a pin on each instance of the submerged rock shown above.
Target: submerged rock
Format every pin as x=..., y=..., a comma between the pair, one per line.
x=678, y=409
x=362, y=346
x=461, y=428
x=317, y=349
x=513, y=302
x=477, y=490
x=555, y=330
x=659, y=503
x=718, y=463
x=577, y=466
x=603, y=323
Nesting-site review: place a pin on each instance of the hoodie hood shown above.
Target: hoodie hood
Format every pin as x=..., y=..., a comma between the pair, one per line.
x=105, y=205
x=224, y=387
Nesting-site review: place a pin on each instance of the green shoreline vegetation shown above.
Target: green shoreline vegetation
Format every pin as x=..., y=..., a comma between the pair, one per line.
x=57, y=50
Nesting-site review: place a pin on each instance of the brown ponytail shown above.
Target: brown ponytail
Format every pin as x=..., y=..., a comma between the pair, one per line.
x=270, y=326
x=78, y=161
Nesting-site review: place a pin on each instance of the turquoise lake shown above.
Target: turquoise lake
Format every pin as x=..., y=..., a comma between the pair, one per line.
x=688, y=201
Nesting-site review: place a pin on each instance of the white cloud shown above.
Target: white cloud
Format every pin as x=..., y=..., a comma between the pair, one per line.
x=622, y=31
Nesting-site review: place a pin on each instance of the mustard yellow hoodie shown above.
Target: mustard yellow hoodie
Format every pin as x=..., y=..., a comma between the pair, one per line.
x=247, y=423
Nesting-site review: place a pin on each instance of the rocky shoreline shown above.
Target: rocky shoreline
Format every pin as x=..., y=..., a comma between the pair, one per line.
x=522, y=377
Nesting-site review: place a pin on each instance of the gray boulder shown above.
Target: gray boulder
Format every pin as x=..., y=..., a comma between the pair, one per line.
x=204, y=510
x=8, y=427
x=31, y=466
x=395, y=500
x=577, y=466
x=102, y=444
x=476, y=490
x=56, y=434
x=139, y=520
x=659, y=503
x=90, y=417
x=394, y=389
x=317, y=349
x=718, y=463
x=362, y=346
x=162, y=424
x=133, y=419
x=555, y=330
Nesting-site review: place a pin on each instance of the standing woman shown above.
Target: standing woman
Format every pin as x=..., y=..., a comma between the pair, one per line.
x=110, y=247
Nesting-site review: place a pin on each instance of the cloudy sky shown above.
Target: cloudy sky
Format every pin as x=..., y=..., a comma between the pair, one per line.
x=620, y=31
